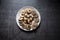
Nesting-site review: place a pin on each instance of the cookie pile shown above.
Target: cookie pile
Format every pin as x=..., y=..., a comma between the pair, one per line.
x=28, y=19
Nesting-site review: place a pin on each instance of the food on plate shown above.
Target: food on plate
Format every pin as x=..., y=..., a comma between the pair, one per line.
x=28, y=19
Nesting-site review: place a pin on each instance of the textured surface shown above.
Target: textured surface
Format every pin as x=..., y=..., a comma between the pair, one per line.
x=50, y=20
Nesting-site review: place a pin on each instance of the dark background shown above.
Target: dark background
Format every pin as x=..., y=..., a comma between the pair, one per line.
x=50, y=20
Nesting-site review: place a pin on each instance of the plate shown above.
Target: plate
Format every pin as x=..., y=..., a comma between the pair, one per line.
x=19, y=13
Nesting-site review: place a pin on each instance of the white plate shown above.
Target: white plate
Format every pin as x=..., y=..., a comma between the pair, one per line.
x=18, y=14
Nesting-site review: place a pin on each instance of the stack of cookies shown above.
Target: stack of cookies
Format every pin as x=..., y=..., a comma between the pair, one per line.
x=28, y=19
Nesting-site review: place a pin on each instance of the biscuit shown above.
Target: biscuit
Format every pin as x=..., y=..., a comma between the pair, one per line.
x=27, y=17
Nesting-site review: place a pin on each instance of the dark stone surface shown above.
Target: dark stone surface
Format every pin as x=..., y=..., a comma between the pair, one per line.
x=50, y=20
